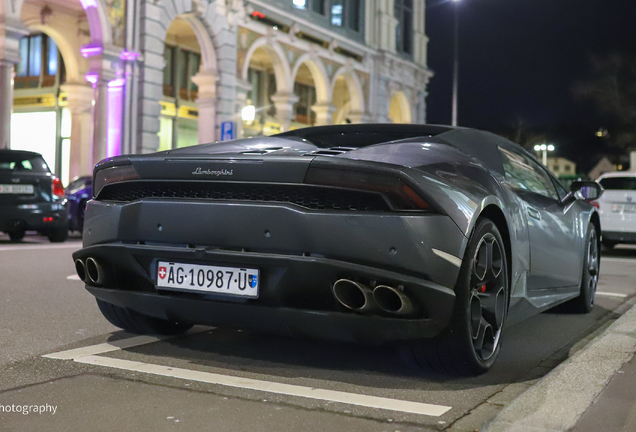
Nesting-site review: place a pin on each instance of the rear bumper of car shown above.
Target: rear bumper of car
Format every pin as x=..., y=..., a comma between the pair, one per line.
x=36, y=217
x=299, y=254
x=294, y=294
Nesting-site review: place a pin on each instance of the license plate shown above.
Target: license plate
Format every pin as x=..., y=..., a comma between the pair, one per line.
x=210, y=279
x=16, y=189
x=624, y=208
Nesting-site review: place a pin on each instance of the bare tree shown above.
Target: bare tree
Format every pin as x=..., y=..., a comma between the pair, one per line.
x=612, y=87
x=521, y=134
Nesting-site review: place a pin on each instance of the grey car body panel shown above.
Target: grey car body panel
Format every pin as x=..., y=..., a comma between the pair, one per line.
x=384, y=241
x=458, y=171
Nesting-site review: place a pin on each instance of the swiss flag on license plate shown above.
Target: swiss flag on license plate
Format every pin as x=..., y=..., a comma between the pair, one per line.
x=162, y=272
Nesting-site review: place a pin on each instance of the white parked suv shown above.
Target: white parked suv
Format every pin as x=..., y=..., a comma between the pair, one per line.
x=617, y=207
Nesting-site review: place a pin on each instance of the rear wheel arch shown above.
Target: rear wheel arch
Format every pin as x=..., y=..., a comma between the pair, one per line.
x=596, y=220
x=496, y=215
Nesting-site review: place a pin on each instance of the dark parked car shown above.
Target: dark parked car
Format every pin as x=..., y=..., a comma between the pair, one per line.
x=78, y=192
x=31, y=198
x=432, y=237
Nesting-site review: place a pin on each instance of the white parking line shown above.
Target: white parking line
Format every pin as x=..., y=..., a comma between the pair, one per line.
x=611, y=294
x=105, y=347
x=269, y=387
x=73, y=277
x=88, y=355
x=75, y=245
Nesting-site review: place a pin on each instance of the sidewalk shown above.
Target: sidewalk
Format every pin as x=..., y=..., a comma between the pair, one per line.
x=577, y=394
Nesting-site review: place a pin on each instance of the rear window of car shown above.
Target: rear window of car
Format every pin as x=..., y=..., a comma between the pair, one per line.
x=619, y=183
x=22, y=162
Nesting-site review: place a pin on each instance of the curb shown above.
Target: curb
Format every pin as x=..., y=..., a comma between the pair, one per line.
x=559, y=399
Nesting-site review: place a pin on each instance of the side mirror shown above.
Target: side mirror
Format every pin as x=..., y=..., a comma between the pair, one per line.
x=586, y=190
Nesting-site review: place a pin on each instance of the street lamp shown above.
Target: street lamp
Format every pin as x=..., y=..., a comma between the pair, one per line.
x=456, y=64
x=544, y=149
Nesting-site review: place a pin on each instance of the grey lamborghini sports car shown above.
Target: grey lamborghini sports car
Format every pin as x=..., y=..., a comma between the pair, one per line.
x=431, y=237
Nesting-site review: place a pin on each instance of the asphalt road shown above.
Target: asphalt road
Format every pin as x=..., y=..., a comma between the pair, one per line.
x=228, y=380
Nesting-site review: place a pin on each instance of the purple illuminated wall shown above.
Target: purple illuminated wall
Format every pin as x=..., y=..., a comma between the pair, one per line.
x=115, y=102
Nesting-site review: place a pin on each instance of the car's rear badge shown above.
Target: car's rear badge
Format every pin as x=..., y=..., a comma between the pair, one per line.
x=215, y=173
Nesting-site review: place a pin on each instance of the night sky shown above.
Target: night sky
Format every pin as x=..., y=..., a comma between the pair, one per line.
x=519, y=59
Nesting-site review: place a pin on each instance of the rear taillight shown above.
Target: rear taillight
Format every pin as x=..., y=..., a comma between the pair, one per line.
x=114, y=174
x=595, y=204
x=401, y=195
x=57, y=188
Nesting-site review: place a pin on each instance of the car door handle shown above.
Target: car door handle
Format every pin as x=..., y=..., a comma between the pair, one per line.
x=534, y=214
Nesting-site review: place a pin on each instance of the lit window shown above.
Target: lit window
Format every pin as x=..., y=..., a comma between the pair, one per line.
x=337, y=7
x=52, y=57
x=300, y=4
x=40, y=63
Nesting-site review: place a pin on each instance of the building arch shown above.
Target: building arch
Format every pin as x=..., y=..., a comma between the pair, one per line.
x=318, y=73
x=208, y=51
x=284, y=83
x=69, y=51
x=355, y=88
x=400, y=108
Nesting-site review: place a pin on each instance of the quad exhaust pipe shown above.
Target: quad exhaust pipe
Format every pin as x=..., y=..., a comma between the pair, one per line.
x=90, y=271
x=360, y=298
x=355, y=296
x=80, y=268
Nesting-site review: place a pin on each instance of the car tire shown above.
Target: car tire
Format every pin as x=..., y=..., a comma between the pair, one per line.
x=584, y=303
x=58, y=235
x=16, y=236
x=135, y=322
x=471, y=342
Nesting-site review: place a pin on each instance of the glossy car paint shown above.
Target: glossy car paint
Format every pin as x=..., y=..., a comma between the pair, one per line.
x=78, y=192
x=618, y=225
x=457, y=171
x=27, y=212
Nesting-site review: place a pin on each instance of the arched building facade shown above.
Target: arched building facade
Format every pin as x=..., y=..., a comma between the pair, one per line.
x=108, y=77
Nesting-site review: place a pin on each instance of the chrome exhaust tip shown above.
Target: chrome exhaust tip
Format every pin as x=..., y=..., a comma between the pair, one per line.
x=94, y=271
x=393, y=301
x=355, y=296
x=80, y=269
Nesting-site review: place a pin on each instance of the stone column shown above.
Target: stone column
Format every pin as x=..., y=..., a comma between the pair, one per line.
x=6, y=101
x=79, y=102
x=324, y=113
x=206, y=101
x=11, y=31
x=284, y=103
x=100, y=120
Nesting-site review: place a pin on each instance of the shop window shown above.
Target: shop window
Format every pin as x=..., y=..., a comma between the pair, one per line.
x=41, y=64
x=403, y=10
x=180, y=66
x=263, y=87
x=306, y=99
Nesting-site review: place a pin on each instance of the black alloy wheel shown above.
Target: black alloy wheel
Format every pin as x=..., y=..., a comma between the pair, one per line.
x=488, y=297
x=584, y=303
x=471, y=342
